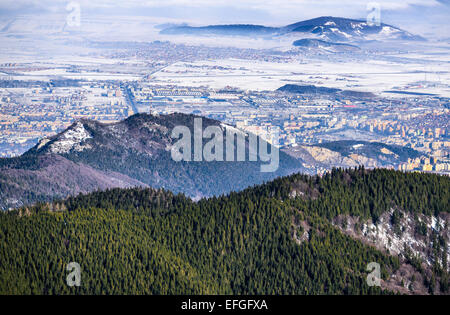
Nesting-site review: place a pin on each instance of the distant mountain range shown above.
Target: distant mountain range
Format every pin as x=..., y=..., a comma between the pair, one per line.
x=325, y=28
x=135, y=152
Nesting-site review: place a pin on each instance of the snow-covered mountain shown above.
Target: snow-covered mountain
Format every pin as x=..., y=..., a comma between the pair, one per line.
x=342, y=29
x=326, y=28
x=90, y=155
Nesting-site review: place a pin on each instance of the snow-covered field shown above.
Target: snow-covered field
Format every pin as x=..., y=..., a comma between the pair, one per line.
x=422, y=67
x=372, y=75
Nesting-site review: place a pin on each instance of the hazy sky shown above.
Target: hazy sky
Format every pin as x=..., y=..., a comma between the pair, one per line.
x=420, y=16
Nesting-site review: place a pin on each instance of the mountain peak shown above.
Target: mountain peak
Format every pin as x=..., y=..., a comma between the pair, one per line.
x=135, y=151
x=324, y=27
x=345, y=29
x=73, y=138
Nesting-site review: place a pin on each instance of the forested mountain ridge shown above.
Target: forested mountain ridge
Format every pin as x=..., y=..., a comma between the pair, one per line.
x=134, y=152
x=282, y=237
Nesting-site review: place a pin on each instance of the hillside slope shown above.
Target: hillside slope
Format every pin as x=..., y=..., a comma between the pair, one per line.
x=351, y=153
x=284, y=237
x=133, y=152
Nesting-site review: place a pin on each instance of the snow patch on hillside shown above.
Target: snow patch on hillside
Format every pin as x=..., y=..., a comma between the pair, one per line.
x=71, y=139
x=395, y=239
x=383, y=234
x=387, y=31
